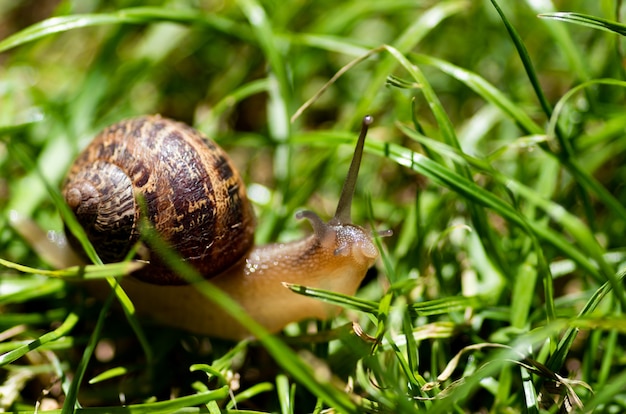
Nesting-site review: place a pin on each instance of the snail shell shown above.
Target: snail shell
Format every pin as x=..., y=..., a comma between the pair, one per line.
x=191, y=193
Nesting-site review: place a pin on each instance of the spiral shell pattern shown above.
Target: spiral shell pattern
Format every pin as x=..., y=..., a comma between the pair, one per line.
x=193, y=196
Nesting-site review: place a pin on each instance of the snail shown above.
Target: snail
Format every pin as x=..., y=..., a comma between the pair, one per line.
x=195, y=199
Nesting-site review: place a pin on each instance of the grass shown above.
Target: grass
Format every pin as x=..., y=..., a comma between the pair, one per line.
x=496, y=157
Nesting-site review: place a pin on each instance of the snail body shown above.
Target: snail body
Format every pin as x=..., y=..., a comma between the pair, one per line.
x=192, y=195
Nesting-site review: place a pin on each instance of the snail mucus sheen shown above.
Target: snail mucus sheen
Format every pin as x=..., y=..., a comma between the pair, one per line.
x=192, y=195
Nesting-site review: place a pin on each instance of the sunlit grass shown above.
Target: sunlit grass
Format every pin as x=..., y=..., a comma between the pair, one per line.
x=496, y=158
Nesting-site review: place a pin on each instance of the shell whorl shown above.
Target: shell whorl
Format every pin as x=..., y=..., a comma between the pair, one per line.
x=194, y=197
x=102, y=199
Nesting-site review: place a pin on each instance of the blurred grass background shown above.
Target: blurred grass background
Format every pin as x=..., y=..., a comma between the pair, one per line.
x=499, y=168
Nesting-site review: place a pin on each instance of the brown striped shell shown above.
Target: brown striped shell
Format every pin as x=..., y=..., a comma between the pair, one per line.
x=194, y=197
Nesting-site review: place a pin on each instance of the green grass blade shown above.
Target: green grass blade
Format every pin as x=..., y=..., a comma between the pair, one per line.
x=70, y=321
x=428, y=308
x=75, y=273
x=526, y=60
x=179, y=404
x=447, y=305
x=345, y=301
x=137, y=15
x=329, y=43
x=25, y=289
x=109, y=374
x=8, y=320
x=284, y=395
x=588, y=21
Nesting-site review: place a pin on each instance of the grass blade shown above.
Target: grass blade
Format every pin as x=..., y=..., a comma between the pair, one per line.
x=586, y=20
x=135, y=15
x=526, y=60
x=70, y=321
